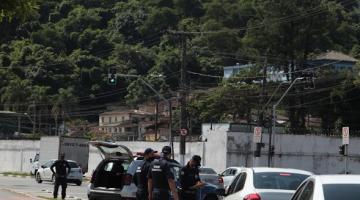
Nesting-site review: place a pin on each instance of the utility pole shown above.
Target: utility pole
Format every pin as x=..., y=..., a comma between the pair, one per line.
x=272, y=133
x=156, y=118
x=183, y=121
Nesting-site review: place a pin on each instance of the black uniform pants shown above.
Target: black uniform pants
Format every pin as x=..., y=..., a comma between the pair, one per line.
x=61, y=180
x=159, y=194
x=188, y=195
x=141, y=194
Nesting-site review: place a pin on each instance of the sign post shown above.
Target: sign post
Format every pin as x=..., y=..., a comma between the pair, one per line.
x=183, y=133
x=345, y=142
x=257, y=145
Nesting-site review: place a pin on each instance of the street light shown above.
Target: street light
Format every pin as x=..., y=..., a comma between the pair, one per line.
x=272, y=133
x=161, y=97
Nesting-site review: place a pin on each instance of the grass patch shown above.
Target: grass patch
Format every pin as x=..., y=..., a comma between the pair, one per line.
x=14, y=174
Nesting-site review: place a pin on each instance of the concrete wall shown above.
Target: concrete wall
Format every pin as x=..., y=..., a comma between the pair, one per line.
x=318, y=154
x=16, y=154
x=215, y=136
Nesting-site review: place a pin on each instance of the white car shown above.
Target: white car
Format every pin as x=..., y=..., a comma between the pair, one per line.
x=229, y=174
x=262, y=183
x=44, y=173
x=329, y=187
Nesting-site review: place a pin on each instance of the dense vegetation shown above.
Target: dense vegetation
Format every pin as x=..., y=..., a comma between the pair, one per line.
x=53, y=65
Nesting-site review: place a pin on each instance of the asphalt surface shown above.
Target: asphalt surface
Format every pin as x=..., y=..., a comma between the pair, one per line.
x=16, y=188
x=8, y=195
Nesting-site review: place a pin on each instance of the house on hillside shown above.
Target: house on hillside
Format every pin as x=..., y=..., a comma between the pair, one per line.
x=334, y=59
x=330, y=59
x=138, y=124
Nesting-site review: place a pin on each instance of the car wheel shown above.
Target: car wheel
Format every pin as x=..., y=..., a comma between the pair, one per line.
x=78, y=183
x=38, y=178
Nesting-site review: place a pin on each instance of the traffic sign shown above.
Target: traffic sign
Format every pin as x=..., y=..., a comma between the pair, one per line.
x=345, y=135
x=183, y=132
x=257, y=134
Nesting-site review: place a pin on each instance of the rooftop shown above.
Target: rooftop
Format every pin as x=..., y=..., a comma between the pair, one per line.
x=138, y=112
x=334, y=55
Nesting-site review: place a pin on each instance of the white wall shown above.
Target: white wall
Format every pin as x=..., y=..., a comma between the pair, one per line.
x=16, y=154
x=215, y=145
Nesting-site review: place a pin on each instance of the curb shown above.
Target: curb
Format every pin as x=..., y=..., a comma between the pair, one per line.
x=15, y=176
x=21, y=193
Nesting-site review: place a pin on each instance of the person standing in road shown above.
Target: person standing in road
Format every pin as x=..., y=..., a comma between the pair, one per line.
x=140, y=176
x=60, y=175
x=161, y=180
x=190, y=179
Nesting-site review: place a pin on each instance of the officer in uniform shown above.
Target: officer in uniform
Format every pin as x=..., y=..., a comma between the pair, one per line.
x=190, y=179
x=60, y=175
x=161, y=180
x=140, y=176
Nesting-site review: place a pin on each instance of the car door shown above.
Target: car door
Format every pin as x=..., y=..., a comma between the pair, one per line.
x=42, y=171
x=234, y=191
x=47, y=171
x=307, y=193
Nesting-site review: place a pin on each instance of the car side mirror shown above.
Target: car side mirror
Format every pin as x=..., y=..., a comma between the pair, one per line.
x=30, y=160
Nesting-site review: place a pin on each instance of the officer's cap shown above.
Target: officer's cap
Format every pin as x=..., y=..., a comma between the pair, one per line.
x=196, y=159
x=148, y=151
x=166, y=150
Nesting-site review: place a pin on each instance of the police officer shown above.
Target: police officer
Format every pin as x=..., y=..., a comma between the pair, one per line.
x=190, y=179
x=140, y=176
x=161, y=179
x=60, y=175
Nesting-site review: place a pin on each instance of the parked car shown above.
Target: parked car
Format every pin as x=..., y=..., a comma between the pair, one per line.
x=228, y=175
x=44, y=173
x=209, y=175
x=265, y=184
x=110, y=179
x=329, y=187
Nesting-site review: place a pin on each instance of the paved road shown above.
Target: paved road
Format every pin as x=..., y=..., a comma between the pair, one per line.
x=30, y=187
x=8, y=195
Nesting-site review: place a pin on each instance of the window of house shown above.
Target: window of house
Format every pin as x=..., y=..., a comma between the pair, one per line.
x=116, y=130
x=123, y=118
x=128, y=129
x=115, y=119
x=102, y=119
x=109, y=119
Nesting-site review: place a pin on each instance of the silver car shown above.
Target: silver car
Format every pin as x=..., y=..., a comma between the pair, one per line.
x=209, y=175
x=110, y=179
x=265, y=184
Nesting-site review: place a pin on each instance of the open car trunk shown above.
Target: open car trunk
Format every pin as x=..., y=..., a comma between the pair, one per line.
x=111, y=173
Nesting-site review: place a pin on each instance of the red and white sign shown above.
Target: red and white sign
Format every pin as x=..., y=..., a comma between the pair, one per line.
x=345, y=135
x=257, y=134
x=183, y=132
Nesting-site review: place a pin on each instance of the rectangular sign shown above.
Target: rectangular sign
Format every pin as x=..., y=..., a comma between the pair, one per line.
x=345, y=135
x=257, y=134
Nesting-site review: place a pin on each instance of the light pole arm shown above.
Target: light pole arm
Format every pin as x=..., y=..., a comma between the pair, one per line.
x=289, y=88
x=147, y=84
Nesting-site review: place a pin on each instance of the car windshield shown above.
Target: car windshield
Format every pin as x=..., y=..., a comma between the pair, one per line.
x=278, y=180
x=206, y=171
x=73, y=165
x=341, y=191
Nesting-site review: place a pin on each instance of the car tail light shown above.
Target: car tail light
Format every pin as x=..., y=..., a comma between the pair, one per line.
x=221, y=180
x=252, y=197
x=127, y=179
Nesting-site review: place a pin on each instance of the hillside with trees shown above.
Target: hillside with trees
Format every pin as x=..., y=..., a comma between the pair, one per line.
x=54, y=60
